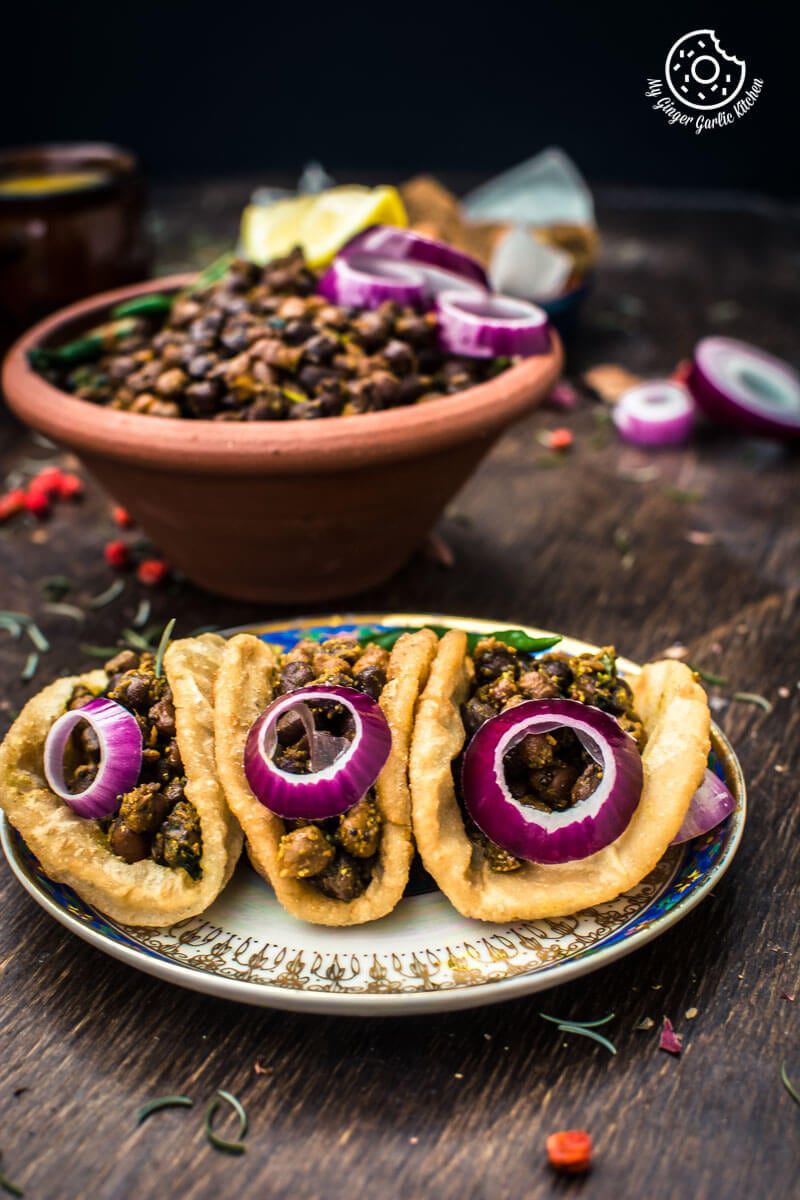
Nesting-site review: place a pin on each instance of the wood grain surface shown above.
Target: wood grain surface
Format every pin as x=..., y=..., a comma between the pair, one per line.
x=702, y=549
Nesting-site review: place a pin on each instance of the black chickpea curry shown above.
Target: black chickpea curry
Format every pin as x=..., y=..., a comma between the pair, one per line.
x=260, y=344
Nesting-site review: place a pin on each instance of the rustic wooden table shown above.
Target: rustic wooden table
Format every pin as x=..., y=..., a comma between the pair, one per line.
x=698, y=546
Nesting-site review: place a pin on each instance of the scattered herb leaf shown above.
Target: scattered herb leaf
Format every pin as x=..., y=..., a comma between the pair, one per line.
x=162, y=646
x=220, y=1143
x=31, y=667
x=11, y=625
x=111, y=592
x=589, y=1033
x=142, y=614
x=136, y=640
x=787, y=1083
x=754, y=698
x=162, y=1102
x=56, y=587
x=35, y=634
x=59, y=609
x=708, y=676
x=238, y=1108
x=8, y=1186
x=578, y=1024
x=98, y=651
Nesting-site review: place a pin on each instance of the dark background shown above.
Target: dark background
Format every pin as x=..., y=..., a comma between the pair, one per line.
x=232, y=88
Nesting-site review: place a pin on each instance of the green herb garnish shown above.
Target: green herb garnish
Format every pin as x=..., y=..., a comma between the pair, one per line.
x=98, y=651
x=136, y=640
x=60, y=609
x=142, y=614
x=35, y=634
x=754, y=698
x=11, y=624
x=56, y=587
x=10, y=1187
x=162, y=646
x=162, y=1102
x=30, y=668
x=209, y=275
x=787, y=1083
x=585, y=1031
x=220, y=1143
x=578, y=1024
x=707, y=676
x=106, y=597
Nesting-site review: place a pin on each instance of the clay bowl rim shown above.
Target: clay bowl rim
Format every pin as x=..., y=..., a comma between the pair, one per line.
x=258, y=447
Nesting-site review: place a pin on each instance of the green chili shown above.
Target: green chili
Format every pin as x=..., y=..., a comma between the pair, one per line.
x=517, y=638
x=83, y=349
x=155, y=305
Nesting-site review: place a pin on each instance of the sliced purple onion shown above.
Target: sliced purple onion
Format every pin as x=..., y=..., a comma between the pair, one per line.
x=366, y=281
x=657, y=413
x=483, y=326
x=552, y=837
x=342, y=771
x=120, y=741
x=443, y=266
x=711, y=804
x=741, y=386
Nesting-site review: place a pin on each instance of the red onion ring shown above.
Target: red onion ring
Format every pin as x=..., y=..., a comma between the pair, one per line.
x=120, y=739
x=364, y=281
x=711, y=804
x=442, y=265
x=659, y=412
x=485, y=326
x=741, y=386
x=336, y=786
x=552, y=837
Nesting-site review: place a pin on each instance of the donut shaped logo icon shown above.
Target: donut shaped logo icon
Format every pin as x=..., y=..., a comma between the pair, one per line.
x=700, y=74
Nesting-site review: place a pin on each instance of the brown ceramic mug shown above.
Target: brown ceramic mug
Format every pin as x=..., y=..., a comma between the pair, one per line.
x=71, y=224
x=285, y=512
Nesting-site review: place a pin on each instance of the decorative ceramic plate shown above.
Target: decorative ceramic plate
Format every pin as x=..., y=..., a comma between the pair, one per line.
x=424, y=956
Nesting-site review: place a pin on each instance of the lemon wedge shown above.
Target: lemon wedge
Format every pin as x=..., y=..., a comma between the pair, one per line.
x=321, y=224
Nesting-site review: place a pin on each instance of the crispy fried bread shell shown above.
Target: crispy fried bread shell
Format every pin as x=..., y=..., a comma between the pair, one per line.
x=74, y=851
x=244, y=689
x=675, y=713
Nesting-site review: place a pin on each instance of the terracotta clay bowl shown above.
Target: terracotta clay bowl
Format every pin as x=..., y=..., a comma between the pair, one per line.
x=284, y=512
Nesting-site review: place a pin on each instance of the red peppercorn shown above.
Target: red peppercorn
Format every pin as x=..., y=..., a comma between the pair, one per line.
x=11, y=504
x=570, y=1151
x=120, y=516
x=152, y=571
x=70, y=487
x=117, y=555
x=47, y=482
x=682, y=371
x=37, y=503
x=560, y=439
